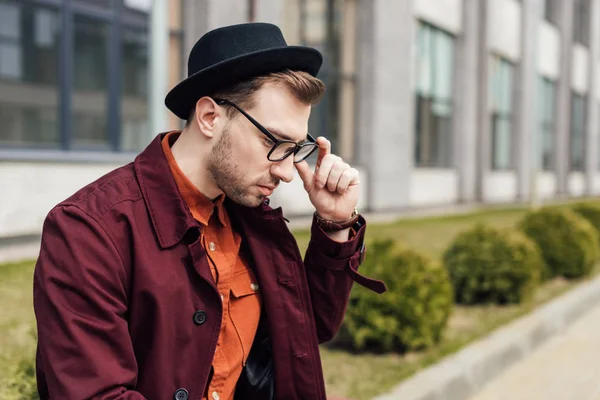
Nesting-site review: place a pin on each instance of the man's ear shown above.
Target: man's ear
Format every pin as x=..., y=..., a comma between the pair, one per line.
x=206, y=114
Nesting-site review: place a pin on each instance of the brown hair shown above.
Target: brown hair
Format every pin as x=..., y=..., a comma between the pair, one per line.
x=306, y=88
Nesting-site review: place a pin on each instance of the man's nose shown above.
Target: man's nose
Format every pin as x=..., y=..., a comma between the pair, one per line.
x=284, y=169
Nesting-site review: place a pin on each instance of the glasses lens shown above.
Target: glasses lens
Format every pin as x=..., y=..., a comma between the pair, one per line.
x=305, y=151
x=282, y=150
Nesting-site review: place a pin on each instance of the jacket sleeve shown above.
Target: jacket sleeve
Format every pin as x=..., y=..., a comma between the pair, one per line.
x=80, y=301
x=331, y=268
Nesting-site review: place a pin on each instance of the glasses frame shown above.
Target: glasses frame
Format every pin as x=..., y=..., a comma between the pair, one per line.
x=298, y=146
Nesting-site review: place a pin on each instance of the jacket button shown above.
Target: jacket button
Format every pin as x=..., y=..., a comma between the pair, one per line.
x=181, y=394
x=199, y=317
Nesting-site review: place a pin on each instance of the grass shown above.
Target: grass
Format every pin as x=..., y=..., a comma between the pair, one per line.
x=17, y=332
x=355, y=376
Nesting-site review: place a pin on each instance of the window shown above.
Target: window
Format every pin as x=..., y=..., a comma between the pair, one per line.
x=577, y=142
x=29, y=95
x=581, y=22
x=551, y=11
x=99, y=100
x=318, y=23
x=434, y=76
x=501, y=92
x=547, y=123
x=90, y=82
x=134, y=94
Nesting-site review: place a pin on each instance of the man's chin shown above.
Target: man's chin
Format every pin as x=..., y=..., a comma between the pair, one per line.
x=249, y=200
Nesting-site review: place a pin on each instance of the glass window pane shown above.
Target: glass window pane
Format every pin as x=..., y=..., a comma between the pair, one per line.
x=577, y=132
x=134, y=95
x=433, y=120
x=501, y=134
x=90, y=82
x=424, y=60
x=546, y=124
x=501, y=89
x=29, y=92
x=444, y=63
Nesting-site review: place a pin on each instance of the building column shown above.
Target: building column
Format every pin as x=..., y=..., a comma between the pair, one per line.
x=465, y=125
x=592, y=123
x=483, y=139
x=269, y=11
x=385, y=137
x=159, y=72
x=526, y=125
x=563, y=96
x=201, y=16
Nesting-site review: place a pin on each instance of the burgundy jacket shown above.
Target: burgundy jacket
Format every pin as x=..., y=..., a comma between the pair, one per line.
x=127, y=308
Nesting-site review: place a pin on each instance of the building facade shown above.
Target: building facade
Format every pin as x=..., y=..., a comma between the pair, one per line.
x=437, y=102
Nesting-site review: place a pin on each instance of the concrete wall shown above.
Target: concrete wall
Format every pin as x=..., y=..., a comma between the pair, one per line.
x=546, y=185
x=444, y=14
x=433, y=187
x=576, y=184
x=580, y=69
x=548, y=51
x=30, y=190
x=500, y=186
x=385, y=114
x=596, y=185
x=504, y=28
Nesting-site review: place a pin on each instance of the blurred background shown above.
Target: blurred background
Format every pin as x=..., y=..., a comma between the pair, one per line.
x=483, y=109
x=437, y=102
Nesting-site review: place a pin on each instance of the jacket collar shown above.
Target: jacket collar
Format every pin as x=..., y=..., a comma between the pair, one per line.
x=170, y=215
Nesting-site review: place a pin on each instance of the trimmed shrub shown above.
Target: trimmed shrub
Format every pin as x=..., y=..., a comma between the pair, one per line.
x=568, y=242
x=589, y=211
x=411, y=315
x=488, y=265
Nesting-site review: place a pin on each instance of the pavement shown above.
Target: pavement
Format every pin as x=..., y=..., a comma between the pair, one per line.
x=565, y=367
x=551, y=353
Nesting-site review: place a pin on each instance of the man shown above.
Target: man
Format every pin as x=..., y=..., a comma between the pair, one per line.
x=171, y=277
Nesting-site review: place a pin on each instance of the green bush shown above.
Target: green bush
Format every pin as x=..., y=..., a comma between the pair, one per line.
x=20, y=384
x=589, y=211
x=569, y=243
x=411, y=315
x=491, y=265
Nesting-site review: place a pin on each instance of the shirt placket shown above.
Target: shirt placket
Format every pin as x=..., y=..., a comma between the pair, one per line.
x=213, y=243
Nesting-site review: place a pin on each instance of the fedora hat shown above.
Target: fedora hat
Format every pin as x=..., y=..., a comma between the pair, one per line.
x=231, y=54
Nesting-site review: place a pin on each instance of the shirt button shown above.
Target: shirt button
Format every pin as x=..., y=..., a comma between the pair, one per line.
x=254, y=286
x=199, y=317
x=181, y=394
x=215, y=395
x=222, y=298
x=211, y=246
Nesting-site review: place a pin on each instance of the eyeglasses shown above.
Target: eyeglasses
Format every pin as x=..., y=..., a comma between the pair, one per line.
x=281, y=148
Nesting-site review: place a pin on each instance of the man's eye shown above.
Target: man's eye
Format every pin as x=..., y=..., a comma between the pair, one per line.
x=268, y=142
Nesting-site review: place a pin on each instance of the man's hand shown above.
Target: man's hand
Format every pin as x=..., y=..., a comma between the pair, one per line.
x=333, y=187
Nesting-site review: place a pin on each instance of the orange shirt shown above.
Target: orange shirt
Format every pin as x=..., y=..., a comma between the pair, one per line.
x=235, y=281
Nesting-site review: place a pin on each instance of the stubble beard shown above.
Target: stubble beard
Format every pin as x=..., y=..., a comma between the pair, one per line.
x=227, y=174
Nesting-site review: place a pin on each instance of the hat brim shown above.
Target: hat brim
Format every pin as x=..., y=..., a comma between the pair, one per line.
x=183, y=97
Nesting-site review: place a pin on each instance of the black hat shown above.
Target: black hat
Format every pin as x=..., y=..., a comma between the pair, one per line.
x=235, y=53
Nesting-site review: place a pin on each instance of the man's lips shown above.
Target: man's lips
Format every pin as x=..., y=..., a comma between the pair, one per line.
x=267, y=190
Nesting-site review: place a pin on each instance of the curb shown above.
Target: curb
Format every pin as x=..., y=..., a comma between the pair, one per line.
x=462, y=375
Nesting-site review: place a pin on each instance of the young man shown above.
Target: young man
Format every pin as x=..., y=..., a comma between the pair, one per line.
x=171, y=277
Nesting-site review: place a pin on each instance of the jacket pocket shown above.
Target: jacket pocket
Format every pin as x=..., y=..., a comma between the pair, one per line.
x=244, y=308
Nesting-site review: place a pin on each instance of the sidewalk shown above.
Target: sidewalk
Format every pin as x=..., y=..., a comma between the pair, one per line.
x=566, y=367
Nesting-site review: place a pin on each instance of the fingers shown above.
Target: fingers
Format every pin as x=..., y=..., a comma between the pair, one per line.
x=323, y=170
x=324, y=149
x=349, y=178
x=335, y=174
x=305, y=174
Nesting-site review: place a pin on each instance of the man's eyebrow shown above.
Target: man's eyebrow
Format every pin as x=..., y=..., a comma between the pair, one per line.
x=280, y=135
